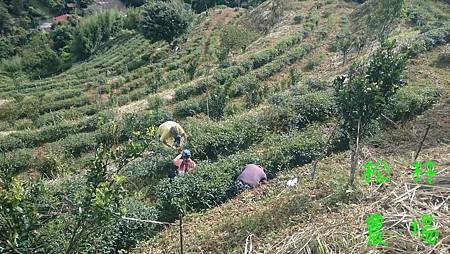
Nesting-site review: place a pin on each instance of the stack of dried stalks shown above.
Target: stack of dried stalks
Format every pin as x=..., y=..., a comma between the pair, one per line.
x=399, y=201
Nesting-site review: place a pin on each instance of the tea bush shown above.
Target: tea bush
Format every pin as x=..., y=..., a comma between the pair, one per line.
x=65, y=115
x=427, y=41
x=187, y=108
x=75, y=144
x=411, y=101
x=16, y=161
x=208, y=139
x=197, y=88
x=443, y=60
x=126, y=234
x=140, y=122
x=212, y=183
x=45, y=134
x=296, y=111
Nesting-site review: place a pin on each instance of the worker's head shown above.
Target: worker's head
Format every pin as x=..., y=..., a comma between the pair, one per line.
x=176, y=136
x=259, y=164
x=186, y=154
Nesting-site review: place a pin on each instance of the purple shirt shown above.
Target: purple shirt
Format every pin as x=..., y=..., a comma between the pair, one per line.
x=252, y=175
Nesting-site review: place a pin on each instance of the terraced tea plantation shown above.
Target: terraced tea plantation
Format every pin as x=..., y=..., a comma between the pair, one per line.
x=82, y=144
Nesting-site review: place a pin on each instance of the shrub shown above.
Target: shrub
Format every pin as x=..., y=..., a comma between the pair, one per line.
x=45, y=134
x=298, y=19
x=232, y=109
x=155, y=102
x=208, y=140
x=140, y=122
x=427, y=41
x=131, y=21
x=126, y=234
x=92, y=32
x=296, y=111
x=134, y=3
x=311, y=64
x=197, y=88
x=235, y=38
x=47, y=165
x=75, y=144
x=16, y=161
x=316, y=85
x=224, y=75
x=187, y=108
x=164, y=20
x=411, y=101
x=243, y=84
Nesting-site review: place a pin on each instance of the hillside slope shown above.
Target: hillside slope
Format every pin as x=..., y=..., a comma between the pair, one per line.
x=319, y=216
x=269, y=102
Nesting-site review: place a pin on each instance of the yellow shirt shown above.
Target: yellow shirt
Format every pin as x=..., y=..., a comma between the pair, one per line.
x=165, y=134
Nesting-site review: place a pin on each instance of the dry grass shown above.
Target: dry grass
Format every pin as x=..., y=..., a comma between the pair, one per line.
x=398, y=201
x=133, y=107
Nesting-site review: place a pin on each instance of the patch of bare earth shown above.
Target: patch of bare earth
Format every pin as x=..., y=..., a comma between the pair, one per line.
x=3, y=102
x=133, y=107
x=6, y=133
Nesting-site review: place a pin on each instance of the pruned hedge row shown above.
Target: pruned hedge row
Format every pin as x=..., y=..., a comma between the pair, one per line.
x=65, y=115
x=184, y=92
x=263, y=57
x=241, y=67
x=209, y=139
x=253, y=79
x=212, y=183
x=427, y=41
x=45, y=134
x=70, y=140
x=296, y=111
x=79, y=143
x=16, y=161
x=410, y=101
x=250, y=84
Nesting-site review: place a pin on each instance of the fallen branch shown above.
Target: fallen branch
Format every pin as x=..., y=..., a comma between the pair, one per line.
x=421, y=143
x=150, y=221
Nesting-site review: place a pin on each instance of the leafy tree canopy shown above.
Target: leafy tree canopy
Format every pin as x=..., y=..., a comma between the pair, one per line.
x=165, y=20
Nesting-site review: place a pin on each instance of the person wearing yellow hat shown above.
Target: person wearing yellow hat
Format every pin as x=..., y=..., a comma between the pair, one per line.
x=171, y=134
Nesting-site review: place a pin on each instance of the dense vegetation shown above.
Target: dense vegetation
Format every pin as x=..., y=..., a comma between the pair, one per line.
x=79, y=105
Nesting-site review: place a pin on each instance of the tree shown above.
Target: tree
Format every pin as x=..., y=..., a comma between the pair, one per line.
x=61, y=35
x=367, y=94
x=344, y=43
x=131, y=21
x=234, y=38
x=5, y=19
x=92, y=32
x=165, y=20
x=41, y=60
x=18, y=214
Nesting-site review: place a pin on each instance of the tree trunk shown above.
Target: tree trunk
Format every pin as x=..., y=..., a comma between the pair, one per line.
x=354, y=158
